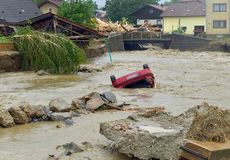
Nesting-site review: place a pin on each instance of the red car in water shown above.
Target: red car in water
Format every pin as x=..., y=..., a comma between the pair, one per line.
x=140, y=79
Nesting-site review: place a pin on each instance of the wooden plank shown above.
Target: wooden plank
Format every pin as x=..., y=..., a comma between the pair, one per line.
x=69, y=30
x=208, y=150
x=79, y=26
x=55, y=25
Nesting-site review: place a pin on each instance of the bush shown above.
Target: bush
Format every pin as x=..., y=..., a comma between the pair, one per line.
x=54, y=53
x=23, y=30
x=178, y=31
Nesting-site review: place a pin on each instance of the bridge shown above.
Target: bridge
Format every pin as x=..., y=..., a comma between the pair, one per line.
x=135, y=40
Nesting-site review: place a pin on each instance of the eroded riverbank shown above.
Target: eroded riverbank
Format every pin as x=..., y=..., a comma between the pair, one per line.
x=185, y=79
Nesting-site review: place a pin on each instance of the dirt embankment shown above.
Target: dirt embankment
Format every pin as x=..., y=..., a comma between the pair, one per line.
x=9, y=61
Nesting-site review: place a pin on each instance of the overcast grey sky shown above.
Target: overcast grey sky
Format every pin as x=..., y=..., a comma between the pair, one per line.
x=102, y=2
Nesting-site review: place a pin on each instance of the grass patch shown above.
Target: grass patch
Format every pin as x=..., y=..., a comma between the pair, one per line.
x=5, y=40
x=54, y=53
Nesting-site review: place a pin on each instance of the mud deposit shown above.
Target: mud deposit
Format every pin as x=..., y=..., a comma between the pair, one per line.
x=184, y=79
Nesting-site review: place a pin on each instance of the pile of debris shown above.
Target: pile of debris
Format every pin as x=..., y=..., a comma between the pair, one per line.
x=155, y=134
x=108, y=27
x=210, y=124
x=148, y=28
x=58, y=109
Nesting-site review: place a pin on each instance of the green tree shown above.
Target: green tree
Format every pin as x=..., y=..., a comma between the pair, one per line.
x=80, y=11
x=170, y=2
x=37, y=1
x=118, y=9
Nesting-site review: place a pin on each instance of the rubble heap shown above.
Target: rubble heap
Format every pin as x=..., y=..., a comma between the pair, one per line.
x=212, y=124
x=58, y=109
x=106, y=27
x=155, y=134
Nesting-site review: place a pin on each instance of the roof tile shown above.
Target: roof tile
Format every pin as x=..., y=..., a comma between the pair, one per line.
x=186, y=8
x=18, y=10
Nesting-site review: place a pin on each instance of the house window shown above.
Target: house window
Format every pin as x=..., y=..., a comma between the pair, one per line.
x=219, y=7
x=219, y=24
x=159, y=22
x=50, y=9
x=184, y=28
x=151, y=11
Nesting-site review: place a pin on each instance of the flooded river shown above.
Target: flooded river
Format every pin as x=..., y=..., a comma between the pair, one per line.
x=184, y=79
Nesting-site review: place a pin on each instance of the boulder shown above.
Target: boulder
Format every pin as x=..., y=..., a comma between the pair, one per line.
x=109, y=97
x=19, y=115
x=42, y=73
x=60, y=105
x=94, y=104
x=89, y=69
x=71, y=148
x=28, y=109
x=94, y=95
x=6, y=120
x=60, y=116
x=69, y=122
x=34, y=112
x=78, y=103
x=40, y=111
x=144, y=142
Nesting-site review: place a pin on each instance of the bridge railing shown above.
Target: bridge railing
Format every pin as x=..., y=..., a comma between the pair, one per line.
x=142, y=35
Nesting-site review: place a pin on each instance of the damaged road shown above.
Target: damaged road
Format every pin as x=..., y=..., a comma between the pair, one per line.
x=155, y=134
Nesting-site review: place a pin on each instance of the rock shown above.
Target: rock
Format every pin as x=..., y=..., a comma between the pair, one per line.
x=81, y=112
x=69, y=122
x=94, y=104
x=19, y=115
x=6, y=120
x=109, y=97
x=40, y=112
x=60, y=116
x=89, y=69
x=155, y=134
x=71, y=148
x=36, y=113
x=45, y=109
x=87, y=145
x=58, y=126
x=60, y=105
x=94, y=95
x=78, y=103
x=28, y=109
x=42, y=73
x=141, y=143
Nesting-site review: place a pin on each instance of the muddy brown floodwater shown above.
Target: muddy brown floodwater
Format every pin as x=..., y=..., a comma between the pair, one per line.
x=185, y=79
